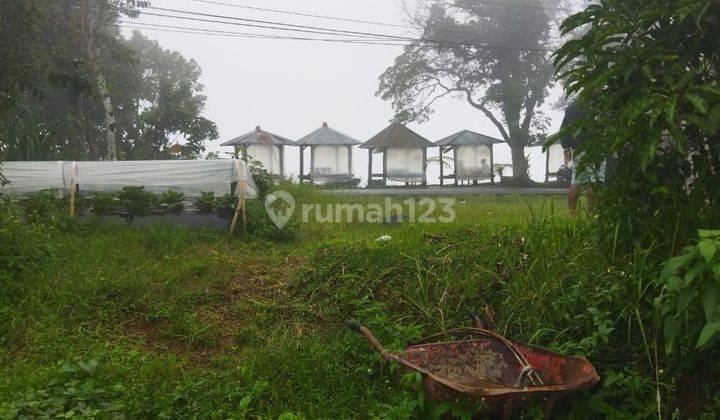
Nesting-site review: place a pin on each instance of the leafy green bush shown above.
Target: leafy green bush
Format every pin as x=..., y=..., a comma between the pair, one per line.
x=101, y=203
x=136, y=201
x=206, y=202
x=44, y=206
x=21, y=245
x=691, y=306
x=225, y=205
x=73, y=393
x=646, y=74
x=263, y=179
x=261, y=226
x=172, y=201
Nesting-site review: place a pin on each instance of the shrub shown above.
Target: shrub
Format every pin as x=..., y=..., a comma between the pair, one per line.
x=44, y=206
x=21, y=246
x=646, y=73
x=136, y=201
x=263, y=179
x=692, y=303
x=74, y=392
x=101, y=203
x=225, y=205
x=261, y=226
x=206, y=202
x=172, y=201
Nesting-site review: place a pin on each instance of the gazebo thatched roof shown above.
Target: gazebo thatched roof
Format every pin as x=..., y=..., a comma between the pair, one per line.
x=397, y=135
x=328, y=137
x=467, y=137
x=259, y=136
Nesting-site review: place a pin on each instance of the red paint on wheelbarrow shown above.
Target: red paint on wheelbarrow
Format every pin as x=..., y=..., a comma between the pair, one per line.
x=485, y=366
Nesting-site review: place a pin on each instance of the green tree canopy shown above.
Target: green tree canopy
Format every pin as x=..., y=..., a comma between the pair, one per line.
x=647, y=74
x=495, y=57
x=72, y=87
x=160, y=101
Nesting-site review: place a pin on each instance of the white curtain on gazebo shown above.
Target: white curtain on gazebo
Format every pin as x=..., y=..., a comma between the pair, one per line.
x=405, y=164
x=268, y=155
x=472, y=161
x=330, y=160
x=556, y=158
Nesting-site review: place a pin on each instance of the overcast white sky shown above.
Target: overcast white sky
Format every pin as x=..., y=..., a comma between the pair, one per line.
x=290, y=87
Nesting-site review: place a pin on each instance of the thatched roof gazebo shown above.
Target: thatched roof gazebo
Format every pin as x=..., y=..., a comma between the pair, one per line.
x=330, y=155
x=263, y=146
x=404, y=155
x=557, y=163
x=473, y=156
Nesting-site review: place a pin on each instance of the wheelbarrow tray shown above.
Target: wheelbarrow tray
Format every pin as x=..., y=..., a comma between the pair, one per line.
x=483, y=368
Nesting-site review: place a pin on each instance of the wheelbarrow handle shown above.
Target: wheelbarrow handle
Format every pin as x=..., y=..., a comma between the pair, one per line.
x=357, y=327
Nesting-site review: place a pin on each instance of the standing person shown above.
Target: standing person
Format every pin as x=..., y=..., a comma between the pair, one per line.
x=574, y=113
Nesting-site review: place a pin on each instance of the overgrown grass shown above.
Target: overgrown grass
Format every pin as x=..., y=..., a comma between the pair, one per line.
x=182, y=323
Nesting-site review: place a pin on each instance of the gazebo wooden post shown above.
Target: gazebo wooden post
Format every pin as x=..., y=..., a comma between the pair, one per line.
x=455, y=167
x=301, y=177
x=282, y=161
x=492, y=164
x=442, y=167
x=350, y=168
x=424, y=178
x=244, y=152
x=312, y=164
x=547, y=166
x=384, y=173
x=236, y=153
x=370, y=156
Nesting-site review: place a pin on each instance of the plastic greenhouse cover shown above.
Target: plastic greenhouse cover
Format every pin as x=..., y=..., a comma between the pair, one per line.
x=190, y=177
x=29, y=177
x=404, y=164
x=472, y=161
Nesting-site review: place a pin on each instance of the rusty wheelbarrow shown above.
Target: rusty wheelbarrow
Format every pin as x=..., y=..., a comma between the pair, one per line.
x=485, y=366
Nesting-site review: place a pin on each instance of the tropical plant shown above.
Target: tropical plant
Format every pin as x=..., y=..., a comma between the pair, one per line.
x=101, y=203
x=172, y=201
x=263, y=179
x=691, y=305
x=646, y=73
x=136, y=201
x=206, y=202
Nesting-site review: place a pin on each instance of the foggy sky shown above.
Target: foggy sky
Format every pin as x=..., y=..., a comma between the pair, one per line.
x=291, y=87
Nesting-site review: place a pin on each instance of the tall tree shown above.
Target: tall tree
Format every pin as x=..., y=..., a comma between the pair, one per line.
x=647, y=73
x=73, y=88
x=160, y=101
x=494, y=56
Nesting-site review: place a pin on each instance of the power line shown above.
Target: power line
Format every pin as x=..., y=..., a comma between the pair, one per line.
x=287, y=12
x=280, y=28
x=321, y=30
x=202, y=31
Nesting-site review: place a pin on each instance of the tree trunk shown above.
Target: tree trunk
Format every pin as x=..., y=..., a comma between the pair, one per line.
x=519, y=162
x=110, y=123
x=89, y=26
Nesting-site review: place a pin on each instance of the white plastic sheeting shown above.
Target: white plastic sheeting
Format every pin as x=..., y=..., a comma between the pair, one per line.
x=29, y=177
x=556, y=158
x=472, y=161
x=330, y=161
x=268, y=155
x=404, y=164
x=190, y=177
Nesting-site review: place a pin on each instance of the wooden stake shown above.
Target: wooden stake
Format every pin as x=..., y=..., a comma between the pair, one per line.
x=240, y=207
x=73, y=174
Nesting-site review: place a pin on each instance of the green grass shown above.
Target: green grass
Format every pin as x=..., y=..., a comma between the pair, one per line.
x=184, y=324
